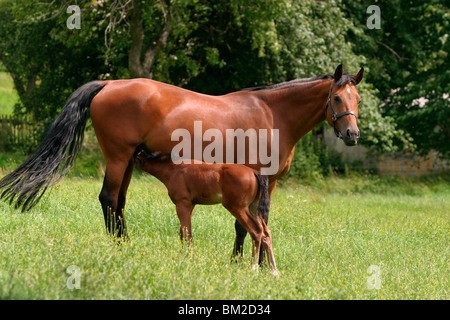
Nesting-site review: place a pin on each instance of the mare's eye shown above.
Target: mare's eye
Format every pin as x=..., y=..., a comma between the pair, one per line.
x=359, y=101
x=337, y=99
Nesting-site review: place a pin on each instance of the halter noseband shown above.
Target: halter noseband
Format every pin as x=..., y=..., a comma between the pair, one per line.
x=334, y=116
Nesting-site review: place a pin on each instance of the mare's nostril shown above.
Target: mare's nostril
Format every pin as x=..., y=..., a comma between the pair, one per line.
x=348, y=133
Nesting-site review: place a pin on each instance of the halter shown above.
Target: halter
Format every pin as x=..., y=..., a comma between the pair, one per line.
x=334, y=116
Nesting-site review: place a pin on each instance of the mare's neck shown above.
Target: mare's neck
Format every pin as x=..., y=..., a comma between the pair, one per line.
x=298, y=108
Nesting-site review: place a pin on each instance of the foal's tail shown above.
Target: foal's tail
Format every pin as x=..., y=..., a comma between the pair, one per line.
x=56, y=153
x=264, y=201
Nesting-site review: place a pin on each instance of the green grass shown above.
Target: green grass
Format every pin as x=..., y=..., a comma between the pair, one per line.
x=8, y=95
x=326, y=234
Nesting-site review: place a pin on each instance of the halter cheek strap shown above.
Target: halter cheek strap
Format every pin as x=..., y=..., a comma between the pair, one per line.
x=334, y=116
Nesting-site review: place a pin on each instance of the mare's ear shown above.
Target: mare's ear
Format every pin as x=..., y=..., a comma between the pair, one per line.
x=359, y=75
x=338, y=73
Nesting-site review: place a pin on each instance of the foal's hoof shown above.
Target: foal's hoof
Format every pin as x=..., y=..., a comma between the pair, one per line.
x=275, y=273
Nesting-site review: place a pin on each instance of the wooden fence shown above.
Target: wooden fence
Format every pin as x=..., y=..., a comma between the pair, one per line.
x=19, y=132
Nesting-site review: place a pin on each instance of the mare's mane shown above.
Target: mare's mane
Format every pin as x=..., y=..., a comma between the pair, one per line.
x=346, y=78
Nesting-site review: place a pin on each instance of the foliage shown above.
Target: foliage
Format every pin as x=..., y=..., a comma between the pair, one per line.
x=312, y=159
x=44, y=67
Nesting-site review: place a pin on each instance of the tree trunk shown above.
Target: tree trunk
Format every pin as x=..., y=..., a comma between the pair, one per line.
x=140, y=61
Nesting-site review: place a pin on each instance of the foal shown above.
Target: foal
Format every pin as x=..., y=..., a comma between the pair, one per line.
x=240, y=189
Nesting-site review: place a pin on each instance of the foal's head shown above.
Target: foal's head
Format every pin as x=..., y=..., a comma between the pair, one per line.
x=145, y=159
x=342, y=105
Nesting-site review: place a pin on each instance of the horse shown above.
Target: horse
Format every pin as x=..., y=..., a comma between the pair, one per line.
x=128, y=115
x=243, y=191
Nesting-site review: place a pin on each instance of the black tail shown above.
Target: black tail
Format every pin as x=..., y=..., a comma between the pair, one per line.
x=55, y=155
x=264, y=200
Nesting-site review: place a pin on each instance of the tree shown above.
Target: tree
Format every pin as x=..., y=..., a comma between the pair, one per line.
x=204, y=45
x=409, y=55
x=45, y=66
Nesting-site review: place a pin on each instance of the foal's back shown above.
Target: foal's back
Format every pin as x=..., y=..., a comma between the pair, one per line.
x=212, y=183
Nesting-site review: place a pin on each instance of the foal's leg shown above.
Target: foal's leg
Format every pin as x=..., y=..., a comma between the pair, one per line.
x=184, y=212
x=241, y=233
x=267, y=244
x=251, y=225
x=261, y=238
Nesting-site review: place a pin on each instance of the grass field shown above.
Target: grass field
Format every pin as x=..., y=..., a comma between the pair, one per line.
x=326, y=235
x=8, y=96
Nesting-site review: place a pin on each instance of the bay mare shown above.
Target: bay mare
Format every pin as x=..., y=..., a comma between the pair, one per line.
x=130, y=114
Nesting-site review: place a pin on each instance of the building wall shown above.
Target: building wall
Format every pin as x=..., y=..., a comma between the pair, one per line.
x=412, y=164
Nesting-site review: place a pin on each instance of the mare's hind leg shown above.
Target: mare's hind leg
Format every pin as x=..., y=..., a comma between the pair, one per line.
x=109, y=196
x=124, y=187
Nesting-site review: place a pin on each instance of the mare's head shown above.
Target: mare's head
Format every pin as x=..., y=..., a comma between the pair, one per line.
x=342, y=105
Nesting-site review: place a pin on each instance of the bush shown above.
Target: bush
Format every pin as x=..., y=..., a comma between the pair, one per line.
x=312, y=159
